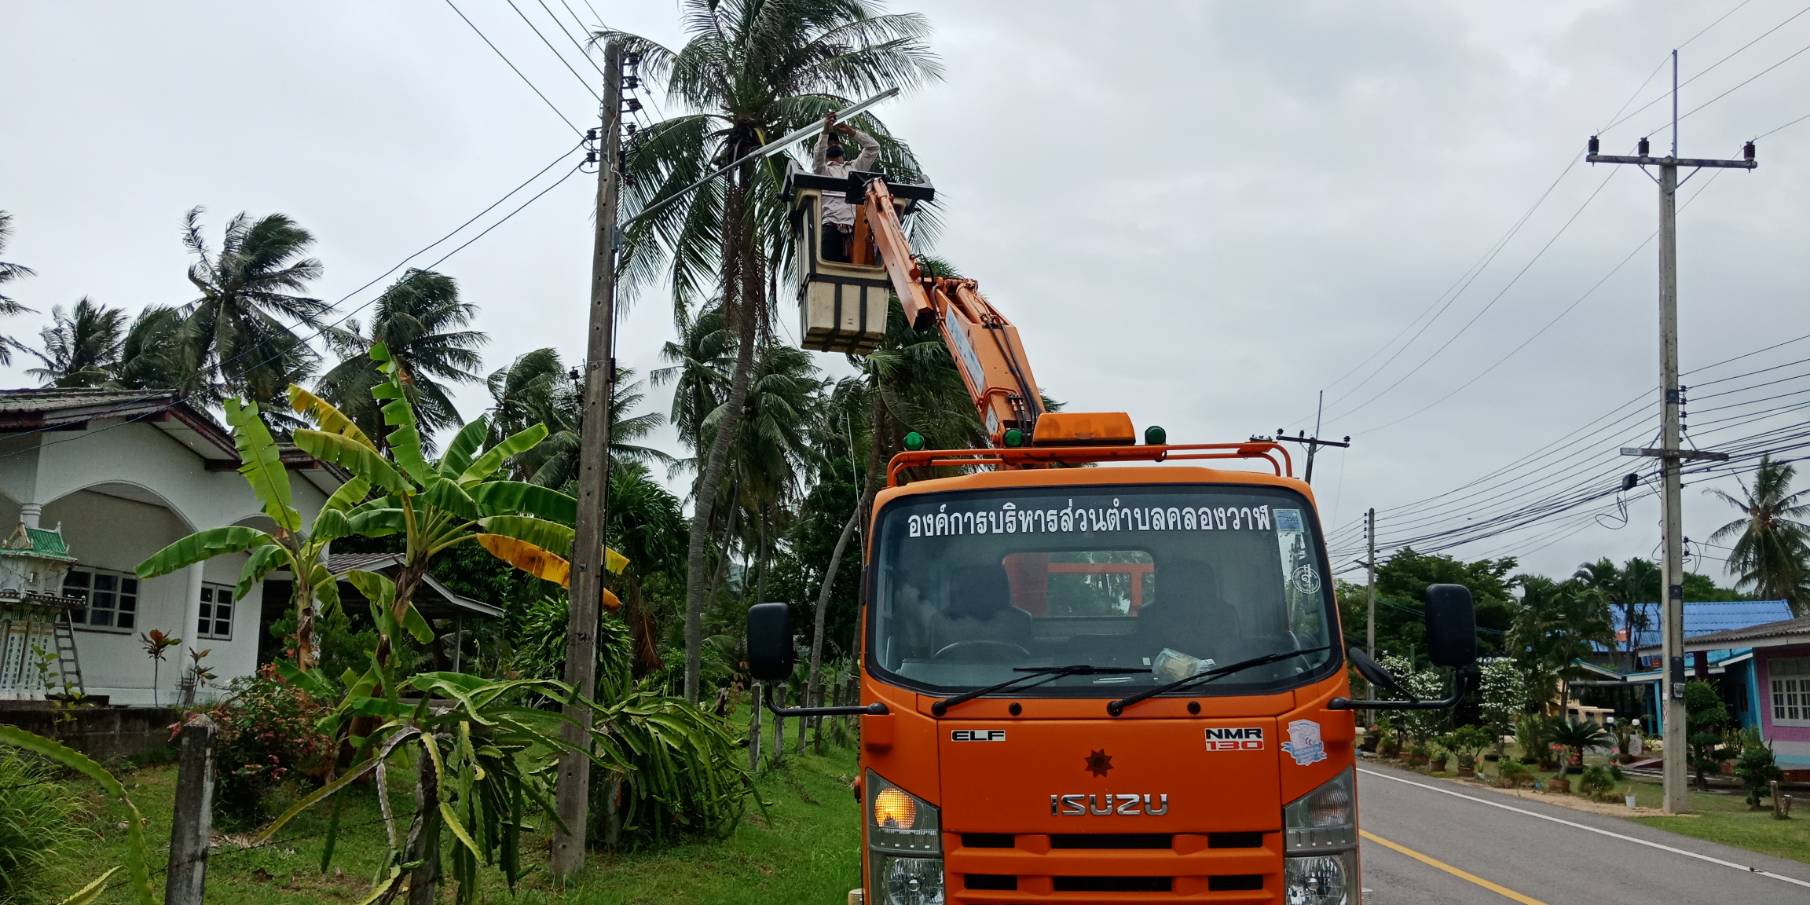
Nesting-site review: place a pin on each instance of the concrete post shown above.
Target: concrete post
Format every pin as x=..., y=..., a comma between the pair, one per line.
x=30, y=513
x=191, y=825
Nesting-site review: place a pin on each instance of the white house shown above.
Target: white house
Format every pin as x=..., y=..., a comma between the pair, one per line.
x=124, y=474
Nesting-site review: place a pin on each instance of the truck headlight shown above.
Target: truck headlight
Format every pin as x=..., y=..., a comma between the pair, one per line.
x=904, y=844
x=1320, y=844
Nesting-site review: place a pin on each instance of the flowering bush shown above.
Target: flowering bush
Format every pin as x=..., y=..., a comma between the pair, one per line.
x=269, y=738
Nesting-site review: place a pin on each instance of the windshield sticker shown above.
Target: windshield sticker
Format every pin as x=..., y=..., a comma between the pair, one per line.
x=1071, y=519
x=1305, y=578
x=1288, y=520
x=1304, y=743
x=1235, y=738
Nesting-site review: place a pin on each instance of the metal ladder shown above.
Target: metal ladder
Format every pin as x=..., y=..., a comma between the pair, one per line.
x=63, y=630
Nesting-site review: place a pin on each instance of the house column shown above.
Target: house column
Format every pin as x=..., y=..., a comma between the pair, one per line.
x=191, y=612
x=29, y=513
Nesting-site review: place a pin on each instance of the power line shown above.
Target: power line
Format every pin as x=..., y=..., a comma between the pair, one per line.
x=1550, y=323
x=555, y=51
x=512, y=67
x=1705, y=71
x=1492, y=302
x=582, y=53
x=321, y=331
x=1744, y=82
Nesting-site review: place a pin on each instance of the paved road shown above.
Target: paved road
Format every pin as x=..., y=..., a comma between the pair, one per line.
x=1426, y=845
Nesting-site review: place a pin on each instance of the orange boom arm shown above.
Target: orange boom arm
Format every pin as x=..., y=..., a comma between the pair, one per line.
x=983, y=343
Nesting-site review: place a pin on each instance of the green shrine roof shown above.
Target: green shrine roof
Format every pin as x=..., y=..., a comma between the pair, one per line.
x=36, y=542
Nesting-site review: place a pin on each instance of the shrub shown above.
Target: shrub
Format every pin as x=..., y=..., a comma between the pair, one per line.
x=1756, y=767
x=269, y=738
x=1596, y=783
x=1706, y=716
x=39, y=823
x=1577, y=738
x=1533, y=732
x=1512, y=774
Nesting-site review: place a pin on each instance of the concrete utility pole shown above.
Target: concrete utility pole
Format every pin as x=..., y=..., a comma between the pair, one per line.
x=573, y=790
x=1370, y=568
x=1314, y=442
x=1670, y=454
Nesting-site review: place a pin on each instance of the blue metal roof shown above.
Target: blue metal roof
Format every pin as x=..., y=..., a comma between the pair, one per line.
x=1701, y=617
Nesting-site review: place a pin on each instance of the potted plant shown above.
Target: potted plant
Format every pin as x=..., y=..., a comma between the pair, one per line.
x=1465, y=743
x=1418, y=755
x=1574, y=738
x=1512, y=774
x=1440, y=758
x=1558, y=783
x=1532, y=733
x=1388, y=740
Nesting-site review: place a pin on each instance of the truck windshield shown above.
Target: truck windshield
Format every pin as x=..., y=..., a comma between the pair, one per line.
x=1171, y=579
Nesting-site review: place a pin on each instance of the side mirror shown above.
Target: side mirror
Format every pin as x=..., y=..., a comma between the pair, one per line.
x=770, y=651
x=1451, y=626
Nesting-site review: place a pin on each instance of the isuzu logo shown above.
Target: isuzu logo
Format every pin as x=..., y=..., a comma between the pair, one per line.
x=1103, y=804
x=1235, y=738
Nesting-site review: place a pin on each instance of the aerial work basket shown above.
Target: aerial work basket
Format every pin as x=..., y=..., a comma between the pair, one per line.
x=842, y=303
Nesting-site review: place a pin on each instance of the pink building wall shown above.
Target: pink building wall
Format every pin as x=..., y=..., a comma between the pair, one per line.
x=1790, y=743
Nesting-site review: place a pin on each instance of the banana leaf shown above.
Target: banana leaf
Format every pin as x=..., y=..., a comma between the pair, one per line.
x=465, y=445
x=355, y=457
x=262, y=561
x=539, y=532
x=448, y=495
x=494, y=457
x=262, y=465
x=200, y=547
x=377, y=522
x=137, y=849
x=527, y=557
x=349, y=495
x=522, y=498
x=330, y=418
x=404, y=437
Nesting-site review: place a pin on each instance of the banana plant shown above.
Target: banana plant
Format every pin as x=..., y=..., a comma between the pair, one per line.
x=288, y=546
x=435, y=506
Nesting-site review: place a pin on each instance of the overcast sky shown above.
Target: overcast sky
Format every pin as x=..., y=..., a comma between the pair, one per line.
x=1201, y=213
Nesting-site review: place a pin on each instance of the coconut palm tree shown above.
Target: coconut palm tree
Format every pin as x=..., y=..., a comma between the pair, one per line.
x=419, y=318
x=81, y=349
x=1771, y=549
x=154, y=356
x=537, y=388
x=750, y=70
x=240, y=329
x=8, y=273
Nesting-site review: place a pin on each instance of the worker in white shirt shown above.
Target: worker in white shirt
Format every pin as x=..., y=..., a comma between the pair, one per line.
x=829, y=159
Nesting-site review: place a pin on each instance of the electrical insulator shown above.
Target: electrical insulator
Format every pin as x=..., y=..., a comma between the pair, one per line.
x=631, y=82
x=632, y=128
x=1644, y=147
x=631, y=59
x=1595, y=145
x=1747, y=151
x=631, y=105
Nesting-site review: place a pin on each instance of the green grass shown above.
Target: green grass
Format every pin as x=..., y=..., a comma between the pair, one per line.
x=802, y=849
x=1724, y=818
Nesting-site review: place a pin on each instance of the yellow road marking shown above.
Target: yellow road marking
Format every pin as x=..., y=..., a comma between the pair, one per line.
x=1466, y=876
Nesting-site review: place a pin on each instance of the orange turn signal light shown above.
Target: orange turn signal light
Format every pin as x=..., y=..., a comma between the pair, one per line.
x=894, y=810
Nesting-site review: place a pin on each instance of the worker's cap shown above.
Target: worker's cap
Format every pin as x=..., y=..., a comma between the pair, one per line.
x=833, y=151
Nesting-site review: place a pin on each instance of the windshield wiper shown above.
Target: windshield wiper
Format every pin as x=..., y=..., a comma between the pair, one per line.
x=1046, y=673
x=1200, y=678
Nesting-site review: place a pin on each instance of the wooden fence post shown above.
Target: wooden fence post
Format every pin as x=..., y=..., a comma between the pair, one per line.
x=191, y=825
x=754, y=729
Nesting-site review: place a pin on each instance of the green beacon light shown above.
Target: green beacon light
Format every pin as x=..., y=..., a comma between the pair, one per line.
x=1014, y=437
x=1155, y=436
x=914, y=441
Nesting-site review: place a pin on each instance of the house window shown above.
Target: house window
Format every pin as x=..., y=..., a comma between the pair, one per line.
x=1790, y=679
x=110, y=599
x=216, y=612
